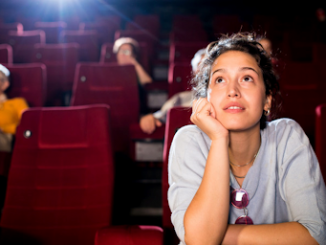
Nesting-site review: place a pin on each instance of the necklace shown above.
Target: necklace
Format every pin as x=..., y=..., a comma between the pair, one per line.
x=241, y=177
x=244, y=164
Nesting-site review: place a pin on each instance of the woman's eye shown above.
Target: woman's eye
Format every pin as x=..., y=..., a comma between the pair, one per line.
x=247, y=79
x=219, y=80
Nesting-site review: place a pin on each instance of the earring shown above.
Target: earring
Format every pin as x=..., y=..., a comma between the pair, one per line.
x=266, y=113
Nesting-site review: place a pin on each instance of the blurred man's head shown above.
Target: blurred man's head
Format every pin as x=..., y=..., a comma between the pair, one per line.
x=267, y=45
x=199, y=55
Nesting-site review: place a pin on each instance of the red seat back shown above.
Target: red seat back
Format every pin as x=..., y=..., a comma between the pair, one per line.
x=60, y=184
x=301, y=87
x=23, y=44
x=6, y=54
x=60, y=61
x=226, y=24
x=179, y=78
x=177, y=117
x=6, y=28
x=52, y=30
x=88, y=43
x=184, y=51
x=105, y=30
x=320, y=137
x=192, y=35
x=29, y=82
x=151, y=23
x=113, y=85
x=126, y=235
x=182, y=22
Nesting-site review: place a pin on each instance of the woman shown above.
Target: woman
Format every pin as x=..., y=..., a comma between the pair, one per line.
x=10, y=112
x=232, y=167
x=127, y=50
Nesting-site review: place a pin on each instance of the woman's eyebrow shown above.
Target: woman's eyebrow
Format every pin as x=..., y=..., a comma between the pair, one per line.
x=218, y=70
x=248, y=68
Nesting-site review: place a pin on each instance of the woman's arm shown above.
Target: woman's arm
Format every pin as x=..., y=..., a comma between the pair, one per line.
x=283, y=233
x=205, y=220
x=142, y=74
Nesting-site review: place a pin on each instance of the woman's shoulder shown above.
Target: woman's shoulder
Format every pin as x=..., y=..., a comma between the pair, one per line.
x=285, y=127
x=191, y=135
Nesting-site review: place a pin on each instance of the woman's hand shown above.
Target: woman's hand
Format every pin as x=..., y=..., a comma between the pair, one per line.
x=204, y=116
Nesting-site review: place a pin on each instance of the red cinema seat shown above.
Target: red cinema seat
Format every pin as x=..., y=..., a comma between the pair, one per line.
x=114, y=85
x=226, y=24
x=72, y=22
x=182, y=22
x=184, y=51
x=301, y=87
x=177, y=117
x=140, y=36
x=319, y=52
x=105, y=30
x=129, y=234
x=179, y=78
x=88, y=43
x=6, y=28
x=60, y=61
x=192, y=35
x=301, y=73
x=52, y=30
x=299, y=103
x=297, y=45
x=6, y=54
x=23, y=44
x=150, y=23
x=320, y=137
x=60, y=184
x=28, y=22
x=107, y=55
x=29, y=82
x=113, y=20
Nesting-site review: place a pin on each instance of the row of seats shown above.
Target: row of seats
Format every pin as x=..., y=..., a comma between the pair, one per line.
x=68, y=155
x=186, y=29
x=116, y=85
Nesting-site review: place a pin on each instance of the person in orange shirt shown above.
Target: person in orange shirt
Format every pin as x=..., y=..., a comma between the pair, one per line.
x=10, y=112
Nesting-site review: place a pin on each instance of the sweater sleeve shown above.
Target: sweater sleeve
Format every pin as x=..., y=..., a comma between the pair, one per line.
x=19, y=106
x=187, y=161
x=302, y=184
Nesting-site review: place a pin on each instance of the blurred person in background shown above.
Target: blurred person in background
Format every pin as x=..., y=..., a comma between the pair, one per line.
x=149, y=122
x=10, y=112
x=127, y=53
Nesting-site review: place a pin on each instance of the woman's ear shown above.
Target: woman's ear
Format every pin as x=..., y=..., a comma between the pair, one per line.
x=268, y=103
x=4, y=85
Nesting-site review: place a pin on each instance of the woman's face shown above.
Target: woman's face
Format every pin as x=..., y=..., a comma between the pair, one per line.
x=125, y=53
x=237, y=91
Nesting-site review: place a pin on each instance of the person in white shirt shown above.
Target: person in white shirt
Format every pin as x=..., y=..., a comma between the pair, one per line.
x=149, y=122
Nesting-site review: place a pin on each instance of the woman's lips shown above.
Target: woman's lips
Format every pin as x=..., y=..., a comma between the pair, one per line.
x=234, y=108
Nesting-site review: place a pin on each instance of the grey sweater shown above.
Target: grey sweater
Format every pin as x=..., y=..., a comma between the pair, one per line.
x=284, y=184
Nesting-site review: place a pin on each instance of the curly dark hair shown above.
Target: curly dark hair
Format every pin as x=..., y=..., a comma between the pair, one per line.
x=244, y=42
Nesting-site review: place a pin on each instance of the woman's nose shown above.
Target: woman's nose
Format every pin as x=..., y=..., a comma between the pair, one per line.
x=233, y=91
